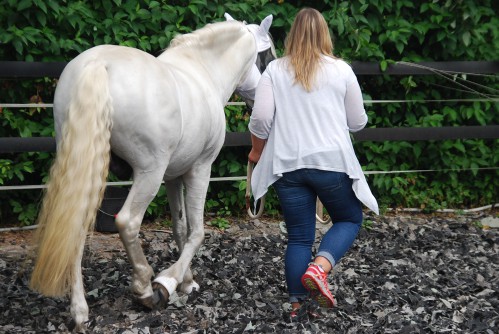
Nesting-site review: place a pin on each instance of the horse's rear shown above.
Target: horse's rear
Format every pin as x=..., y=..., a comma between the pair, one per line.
x=164, y=116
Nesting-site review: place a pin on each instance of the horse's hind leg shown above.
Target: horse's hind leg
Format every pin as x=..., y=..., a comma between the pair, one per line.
x=79, y=307
x=175, y=193
x=196, y=183
x=145, y=187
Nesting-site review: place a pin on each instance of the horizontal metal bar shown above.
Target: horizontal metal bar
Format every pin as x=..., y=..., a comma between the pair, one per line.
x=47, y=144
x=115, y=183
x=367, y=102
x=25, y=69
x=426, y=68
x=22, y=69
x=51, y=105
x=31, y=144
x=241, y=178
x=433, y=133
x=397, y=134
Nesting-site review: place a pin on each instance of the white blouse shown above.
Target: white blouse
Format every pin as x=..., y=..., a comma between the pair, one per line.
x=308, y=129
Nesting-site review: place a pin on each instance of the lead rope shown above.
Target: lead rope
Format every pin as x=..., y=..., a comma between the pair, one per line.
x=249, y=173
x=318, y=213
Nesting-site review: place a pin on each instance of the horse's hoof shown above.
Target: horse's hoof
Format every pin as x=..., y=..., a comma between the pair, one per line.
x=160, y=296
x=147, y=302
x=189, y=288
x=78, y=328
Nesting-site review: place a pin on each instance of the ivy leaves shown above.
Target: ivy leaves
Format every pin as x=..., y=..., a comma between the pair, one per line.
x=364, y=30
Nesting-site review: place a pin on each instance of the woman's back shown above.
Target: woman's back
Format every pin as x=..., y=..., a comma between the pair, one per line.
x=311, y=127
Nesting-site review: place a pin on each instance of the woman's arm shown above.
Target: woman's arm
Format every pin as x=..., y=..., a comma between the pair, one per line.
x=354, y=106
x=262, y=117
x=257, y=145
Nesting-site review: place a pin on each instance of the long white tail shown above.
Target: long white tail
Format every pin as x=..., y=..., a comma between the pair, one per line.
x=77, y=183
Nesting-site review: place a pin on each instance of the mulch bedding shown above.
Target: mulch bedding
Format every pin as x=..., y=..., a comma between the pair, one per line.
x=405, y=274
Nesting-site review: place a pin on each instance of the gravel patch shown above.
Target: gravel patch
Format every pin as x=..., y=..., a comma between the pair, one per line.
x=404, y=274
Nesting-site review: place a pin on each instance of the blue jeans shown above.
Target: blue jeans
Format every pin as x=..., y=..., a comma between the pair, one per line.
x=298, y=192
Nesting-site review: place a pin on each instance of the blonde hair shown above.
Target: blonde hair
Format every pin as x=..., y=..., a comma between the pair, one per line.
x=308, y=40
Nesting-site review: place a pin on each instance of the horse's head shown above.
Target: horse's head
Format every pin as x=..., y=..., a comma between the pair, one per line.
x=265, y=54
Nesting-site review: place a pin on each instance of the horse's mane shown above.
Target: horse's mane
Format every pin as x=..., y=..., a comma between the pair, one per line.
x=200, y=36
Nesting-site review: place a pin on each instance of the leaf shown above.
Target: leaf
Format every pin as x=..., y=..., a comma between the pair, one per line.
x=466, y=37
x=249, y=327
x=154, y=4
x=23, y=4
x=193, y=10
x=18, y=46
x=400, y=47
x=94, y=293
x=28, y=168
x=383, y=65
x=459, y=146
x=54, y=5
x=446, y=303
x=234, y=167
x=41, y=4
x=144, y=13
x=340, y=26
x=42, y=18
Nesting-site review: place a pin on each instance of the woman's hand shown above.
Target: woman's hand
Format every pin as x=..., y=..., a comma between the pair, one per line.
x=254, y=156
x=256, y=149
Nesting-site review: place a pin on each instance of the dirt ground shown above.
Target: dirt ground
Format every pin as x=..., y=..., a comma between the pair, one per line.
x=405, y=274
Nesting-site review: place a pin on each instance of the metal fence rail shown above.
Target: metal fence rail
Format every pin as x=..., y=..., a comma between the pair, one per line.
x=22, y=69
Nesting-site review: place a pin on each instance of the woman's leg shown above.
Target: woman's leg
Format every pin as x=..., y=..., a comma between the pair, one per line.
x=346, y=214
x=336, y=194
x=298, y=206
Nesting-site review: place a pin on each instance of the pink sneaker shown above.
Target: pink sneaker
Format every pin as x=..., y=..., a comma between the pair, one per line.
x=315, y=281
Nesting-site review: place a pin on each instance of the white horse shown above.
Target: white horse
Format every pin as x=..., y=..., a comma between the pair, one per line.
x=165, y=117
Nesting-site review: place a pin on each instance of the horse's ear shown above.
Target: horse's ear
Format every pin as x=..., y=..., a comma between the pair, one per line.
x=228, y=17
x=266, y=23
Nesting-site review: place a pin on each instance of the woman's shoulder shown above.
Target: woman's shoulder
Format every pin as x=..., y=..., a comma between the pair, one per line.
x=340, y=68
x=277, y=66
x=278, y=62
x=338, y=62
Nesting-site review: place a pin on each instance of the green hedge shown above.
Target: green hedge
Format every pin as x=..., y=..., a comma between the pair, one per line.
x=375, y=31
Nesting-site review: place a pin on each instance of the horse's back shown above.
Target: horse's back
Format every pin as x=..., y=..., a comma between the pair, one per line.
x=129, y=70
x=141, y=90
x=161, y=109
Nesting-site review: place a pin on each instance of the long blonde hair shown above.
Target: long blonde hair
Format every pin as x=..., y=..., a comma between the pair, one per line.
x=307, y=42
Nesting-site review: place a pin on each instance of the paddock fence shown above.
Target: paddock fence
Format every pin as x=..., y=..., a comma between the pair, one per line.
x=17, y=70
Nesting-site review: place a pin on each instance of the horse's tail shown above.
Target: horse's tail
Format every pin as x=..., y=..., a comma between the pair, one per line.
x=76, y=184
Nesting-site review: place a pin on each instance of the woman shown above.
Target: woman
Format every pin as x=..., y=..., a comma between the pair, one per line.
x=305, y=106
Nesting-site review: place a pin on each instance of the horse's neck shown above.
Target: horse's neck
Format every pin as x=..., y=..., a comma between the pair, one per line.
x=227, y=69
x=225, y=64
